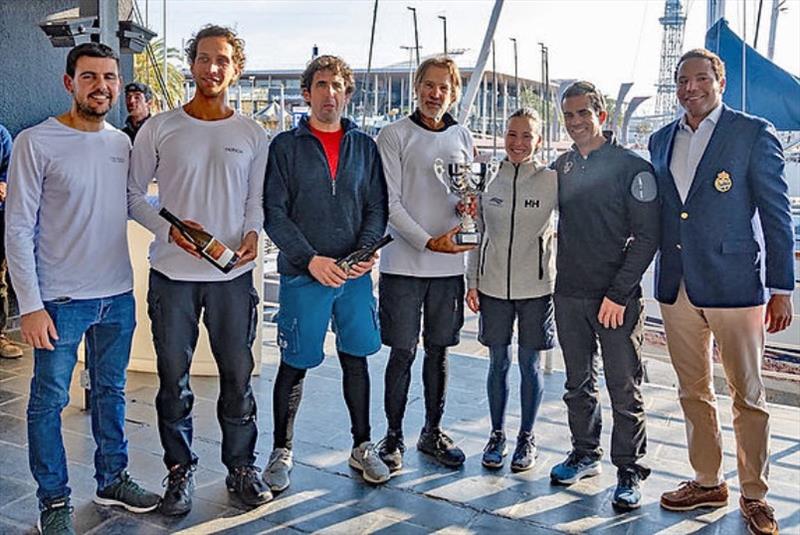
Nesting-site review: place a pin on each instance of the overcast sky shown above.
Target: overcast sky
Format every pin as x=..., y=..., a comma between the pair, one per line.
x=606, y=41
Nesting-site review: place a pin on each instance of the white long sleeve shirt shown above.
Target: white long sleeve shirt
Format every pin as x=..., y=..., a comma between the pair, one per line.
x=420, y=208
x=66, y=215
x=211, y=172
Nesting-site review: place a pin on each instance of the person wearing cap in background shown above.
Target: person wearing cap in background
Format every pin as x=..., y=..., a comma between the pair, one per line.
x=8, y=348
x=137, y=100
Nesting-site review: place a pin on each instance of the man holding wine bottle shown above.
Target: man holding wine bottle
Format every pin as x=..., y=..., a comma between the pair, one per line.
x=68, y=257
x=324, y=197
x=209, y=162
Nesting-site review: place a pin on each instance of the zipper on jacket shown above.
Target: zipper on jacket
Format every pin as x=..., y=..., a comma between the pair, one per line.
x=327, y=165
x=482, y=266
x=541, y=254
x=511, y=232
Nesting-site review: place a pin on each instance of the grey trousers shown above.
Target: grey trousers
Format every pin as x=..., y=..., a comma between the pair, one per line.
x=580, y=336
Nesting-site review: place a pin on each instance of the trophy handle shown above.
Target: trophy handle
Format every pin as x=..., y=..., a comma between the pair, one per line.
x=439, y=171
x=492, y=168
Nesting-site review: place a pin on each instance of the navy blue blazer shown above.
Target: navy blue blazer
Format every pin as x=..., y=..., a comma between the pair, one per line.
x=733, y=235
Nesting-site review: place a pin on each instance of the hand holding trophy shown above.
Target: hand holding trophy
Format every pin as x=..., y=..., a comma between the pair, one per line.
x=467, y=180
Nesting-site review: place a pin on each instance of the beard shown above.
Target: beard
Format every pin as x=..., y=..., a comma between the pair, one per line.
x=434, y=113
x=89, y=113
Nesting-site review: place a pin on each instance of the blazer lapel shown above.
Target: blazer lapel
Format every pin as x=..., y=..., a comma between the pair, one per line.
x=713, y=152
x=670, y=143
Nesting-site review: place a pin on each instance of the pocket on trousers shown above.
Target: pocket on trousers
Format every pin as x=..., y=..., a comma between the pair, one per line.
x=288, y=335
x=154, y=313
x=375, y=315
x=255, y=300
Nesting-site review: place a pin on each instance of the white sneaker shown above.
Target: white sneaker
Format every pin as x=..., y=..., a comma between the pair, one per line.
x=8, y=349
x=276, y=474
x=366, y=459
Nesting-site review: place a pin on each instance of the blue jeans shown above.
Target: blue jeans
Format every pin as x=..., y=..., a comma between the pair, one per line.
x=108, y=325
x=531, y=388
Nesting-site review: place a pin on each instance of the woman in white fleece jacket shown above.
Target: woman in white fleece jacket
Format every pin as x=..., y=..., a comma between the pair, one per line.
x=511, y=276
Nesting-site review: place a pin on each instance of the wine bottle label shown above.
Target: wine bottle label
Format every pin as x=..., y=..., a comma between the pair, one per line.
x=217, y=251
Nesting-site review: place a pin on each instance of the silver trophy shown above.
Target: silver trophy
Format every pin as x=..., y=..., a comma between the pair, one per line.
x=466, y=180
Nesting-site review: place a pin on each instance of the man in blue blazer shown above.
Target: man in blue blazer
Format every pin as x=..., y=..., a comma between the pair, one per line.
x=726, y=250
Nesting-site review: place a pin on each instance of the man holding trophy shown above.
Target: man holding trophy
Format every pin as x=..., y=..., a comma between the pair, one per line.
x=423, y=270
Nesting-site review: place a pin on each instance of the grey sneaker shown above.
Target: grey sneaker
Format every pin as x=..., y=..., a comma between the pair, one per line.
x=56, y=519
x=366, y=459
x=127, y=493
x=276, y=474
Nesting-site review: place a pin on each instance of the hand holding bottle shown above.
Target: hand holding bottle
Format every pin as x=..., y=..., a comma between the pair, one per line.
x=248, y=250
x=192, y=238
x=326, y=271
x=361, y=268
x=179, y=239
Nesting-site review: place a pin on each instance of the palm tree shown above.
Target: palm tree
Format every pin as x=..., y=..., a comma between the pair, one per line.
x=145, y=71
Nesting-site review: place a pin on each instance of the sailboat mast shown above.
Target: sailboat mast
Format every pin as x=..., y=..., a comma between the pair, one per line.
x=480, y=66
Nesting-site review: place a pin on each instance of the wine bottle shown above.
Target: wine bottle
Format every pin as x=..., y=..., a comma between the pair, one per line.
x=363, y=254
x=207, y=245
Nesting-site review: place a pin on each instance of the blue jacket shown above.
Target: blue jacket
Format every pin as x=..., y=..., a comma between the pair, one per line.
x=305, y=215
x=733, y=235
x=5, y=156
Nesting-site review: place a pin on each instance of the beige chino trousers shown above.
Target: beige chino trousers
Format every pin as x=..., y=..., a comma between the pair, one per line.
x=739, y=333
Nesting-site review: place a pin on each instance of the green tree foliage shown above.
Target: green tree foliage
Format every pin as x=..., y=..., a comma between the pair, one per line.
x=145, y=71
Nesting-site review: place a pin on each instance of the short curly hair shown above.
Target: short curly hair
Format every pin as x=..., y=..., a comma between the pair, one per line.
x=333, y=64
x=212, y=30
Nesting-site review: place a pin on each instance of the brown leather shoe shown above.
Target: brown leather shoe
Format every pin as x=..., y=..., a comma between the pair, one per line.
x=759, y=516
x=690, y=495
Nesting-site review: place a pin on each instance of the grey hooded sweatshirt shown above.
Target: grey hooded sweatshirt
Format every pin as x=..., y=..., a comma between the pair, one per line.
x=516, y=259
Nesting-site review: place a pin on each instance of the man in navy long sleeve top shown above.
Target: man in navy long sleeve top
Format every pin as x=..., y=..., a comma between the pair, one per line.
x=324, y=196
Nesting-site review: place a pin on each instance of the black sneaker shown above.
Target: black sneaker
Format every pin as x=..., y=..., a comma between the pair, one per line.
x=495, y=450
x=391, y=449
x=524, y=454
x=436, y=443
x=56, y=519
x=126, y=493
x=177, y=498
x=246, y=483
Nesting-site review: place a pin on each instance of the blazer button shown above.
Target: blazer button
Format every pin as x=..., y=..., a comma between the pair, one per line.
x=678, y=246
x=684, y=215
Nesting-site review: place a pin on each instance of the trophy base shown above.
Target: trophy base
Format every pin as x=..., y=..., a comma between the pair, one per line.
x=468, y=238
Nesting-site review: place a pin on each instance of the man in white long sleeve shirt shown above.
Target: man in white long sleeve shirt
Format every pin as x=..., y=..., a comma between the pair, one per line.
x=423, y=269
x=68, y=258
x=209, y=163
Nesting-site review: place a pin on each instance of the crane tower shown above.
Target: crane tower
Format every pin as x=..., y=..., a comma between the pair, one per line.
x=673, y=23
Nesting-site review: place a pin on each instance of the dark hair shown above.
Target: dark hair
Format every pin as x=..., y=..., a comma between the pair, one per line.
x=139, y=87
x=583, y=87
x=444, y=62
x=92, y=50
x=333, y=64
x=212, y=30
x=527, y=113
x=717, y=65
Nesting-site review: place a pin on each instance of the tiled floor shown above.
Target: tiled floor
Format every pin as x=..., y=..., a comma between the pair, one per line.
x=327, y=496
